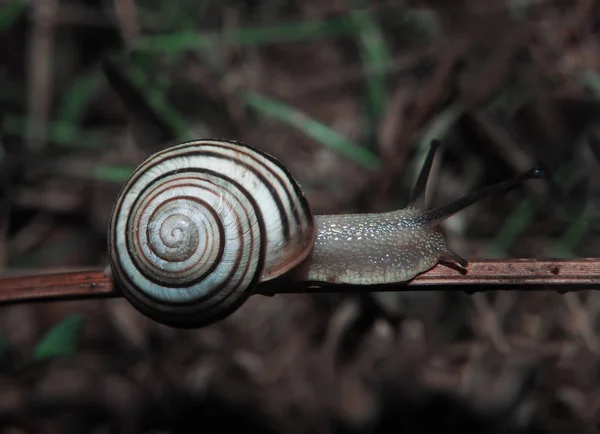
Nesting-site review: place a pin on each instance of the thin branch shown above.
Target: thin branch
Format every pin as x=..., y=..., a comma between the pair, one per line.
x=41, y=55
x=126, y=13
x=509, y=274
x=60, y=286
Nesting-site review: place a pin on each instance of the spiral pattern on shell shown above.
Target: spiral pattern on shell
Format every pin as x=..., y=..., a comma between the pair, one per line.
x=198, y=225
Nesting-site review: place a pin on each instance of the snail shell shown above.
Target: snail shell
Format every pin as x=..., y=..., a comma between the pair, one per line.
x=197, y=226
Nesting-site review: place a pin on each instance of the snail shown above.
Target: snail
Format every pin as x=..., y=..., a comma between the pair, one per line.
x=197, y=226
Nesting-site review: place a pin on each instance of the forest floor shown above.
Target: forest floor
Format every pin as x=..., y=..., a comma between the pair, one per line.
x=348, y=95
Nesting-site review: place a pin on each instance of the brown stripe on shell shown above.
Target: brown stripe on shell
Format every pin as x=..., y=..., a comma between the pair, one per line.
x=166, y=175
x=166, y=312
x=195, y=149
x=136, y=260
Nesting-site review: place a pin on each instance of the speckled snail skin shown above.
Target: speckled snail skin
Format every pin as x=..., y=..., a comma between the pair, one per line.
x=199, y=225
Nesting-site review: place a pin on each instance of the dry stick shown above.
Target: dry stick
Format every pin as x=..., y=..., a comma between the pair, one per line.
x=508, y=274
x=126, y=13
x=60, y=286
x=41, y=54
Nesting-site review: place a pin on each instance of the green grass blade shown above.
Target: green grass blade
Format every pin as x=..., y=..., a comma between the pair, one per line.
x=11, y=13
x=512, y=228
x=155, y=95
x=77, y=97
x=519, y=9
x=250, y=36
x=61, y=340
x=572, y=237
x=312, y=128
x=592, y=81
x=73, y=107
x=117, y=174
x=424, y=22
x=522, y=217
x=376, y=58
x=438, y=127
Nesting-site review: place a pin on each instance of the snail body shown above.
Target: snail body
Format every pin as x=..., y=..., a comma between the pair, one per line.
x=199, y=225
x=374, y=249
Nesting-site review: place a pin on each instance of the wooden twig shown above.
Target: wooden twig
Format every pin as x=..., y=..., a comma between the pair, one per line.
x=518, y=273
x=126, y=13
x=60, y=286
x=41, y=55
x=509, y=274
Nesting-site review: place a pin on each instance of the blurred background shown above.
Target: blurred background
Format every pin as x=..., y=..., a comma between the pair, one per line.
x=348, y=95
